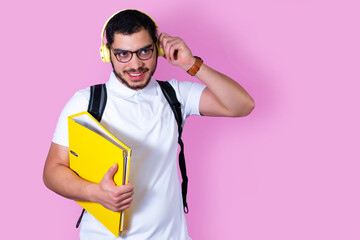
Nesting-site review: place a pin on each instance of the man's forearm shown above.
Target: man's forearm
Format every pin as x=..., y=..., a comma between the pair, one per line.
x=66, y=183
x=229, y=93
x=59, y=178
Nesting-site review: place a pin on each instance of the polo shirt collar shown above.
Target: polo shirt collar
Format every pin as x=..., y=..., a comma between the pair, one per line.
x=124, y=92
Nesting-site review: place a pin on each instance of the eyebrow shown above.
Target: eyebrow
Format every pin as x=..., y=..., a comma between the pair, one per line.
x=119, y=49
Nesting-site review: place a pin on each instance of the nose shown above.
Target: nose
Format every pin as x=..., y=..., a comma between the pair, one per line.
x=135, y=63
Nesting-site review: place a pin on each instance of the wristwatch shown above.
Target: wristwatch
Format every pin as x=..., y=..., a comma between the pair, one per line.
x=195, y=68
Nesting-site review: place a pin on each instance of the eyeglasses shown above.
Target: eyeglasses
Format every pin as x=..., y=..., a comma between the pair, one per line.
x=125, y=56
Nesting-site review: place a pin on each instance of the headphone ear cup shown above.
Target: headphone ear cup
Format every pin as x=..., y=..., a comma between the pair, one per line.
x=105, y=53
x=159, y=50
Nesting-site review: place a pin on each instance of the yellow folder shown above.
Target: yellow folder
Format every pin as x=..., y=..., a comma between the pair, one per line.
x=92, y=151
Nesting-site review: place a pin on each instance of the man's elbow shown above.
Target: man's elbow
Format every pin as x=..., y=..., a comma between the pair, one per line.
x=48, y=176
x=45, y=179
x=245, y=109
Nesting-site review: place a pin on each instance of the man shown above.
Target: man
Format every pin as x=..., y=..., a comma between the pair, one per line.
x=138, y=114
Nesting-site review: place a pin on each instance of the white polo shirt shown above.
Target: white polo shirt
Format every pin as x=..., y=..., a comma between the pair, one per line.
x=144, y=121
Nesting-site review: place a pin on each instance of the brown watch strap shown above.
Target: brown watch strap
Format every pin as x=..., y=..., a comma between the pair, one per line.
x=195, y=68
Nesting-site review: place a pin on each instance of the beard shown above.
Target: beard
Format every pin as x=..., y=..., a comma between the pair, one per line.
x=135, y=86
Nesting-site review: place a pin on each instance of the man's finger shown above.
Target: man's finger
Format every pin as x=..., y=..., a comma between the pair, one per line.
x=109, y=175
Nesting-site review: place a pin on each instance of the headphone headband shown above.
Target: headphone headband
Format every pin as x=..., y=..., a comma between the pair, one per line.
x=107, y=21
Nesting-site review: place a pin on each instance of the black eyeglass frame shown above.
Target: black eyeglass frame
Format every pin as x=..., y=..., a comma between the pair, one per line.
x=132, y=53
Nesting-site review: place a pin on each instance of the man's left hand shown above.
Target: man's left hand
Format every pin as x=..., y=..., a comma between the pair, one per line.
x=176, y=51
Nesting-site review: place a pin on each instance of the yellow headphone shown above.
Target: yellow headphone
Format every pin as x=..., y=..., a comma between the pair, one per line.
x=105, y=51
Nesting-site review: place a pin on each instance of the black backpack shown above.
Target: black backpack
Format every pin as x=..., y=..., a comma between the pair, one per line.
x=97, y=103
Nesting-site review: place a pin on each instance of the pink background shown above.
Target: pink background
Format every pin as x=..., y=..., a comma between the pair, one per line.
x=288, y=171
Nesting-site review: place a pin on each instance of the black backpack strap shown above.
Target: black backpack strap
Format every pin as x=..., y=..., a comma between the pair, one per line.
x=175, y=105
x=97, y=102
x=80, y=218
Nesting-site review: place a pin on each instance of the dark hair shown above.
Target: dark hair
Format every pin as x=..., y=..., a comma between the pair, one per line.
x=128, y=22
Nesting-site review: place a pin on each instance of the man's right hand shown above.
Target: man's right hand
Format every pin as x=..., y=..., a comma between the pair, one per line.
x=112, y=197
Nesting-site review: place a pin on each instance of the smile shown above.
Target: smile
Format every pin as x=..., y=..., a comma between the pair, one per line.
x=135, y=74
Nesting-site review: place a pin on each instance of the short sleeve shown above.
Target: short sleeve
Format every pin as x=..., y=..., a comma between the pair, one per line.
x=77, y=103
x=188, y=94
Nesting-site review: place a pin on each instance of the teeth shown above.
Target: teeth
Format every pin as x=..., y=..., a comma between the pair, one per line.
x=135, y=74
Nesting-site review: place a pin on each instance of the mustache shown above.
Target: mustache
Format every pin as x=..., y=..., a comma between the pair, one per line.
x=133, y=70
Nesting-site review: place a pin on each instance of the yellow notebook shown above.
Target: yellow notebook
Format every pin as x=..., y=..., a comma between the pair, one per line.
x=92, y=151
